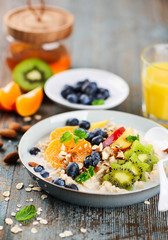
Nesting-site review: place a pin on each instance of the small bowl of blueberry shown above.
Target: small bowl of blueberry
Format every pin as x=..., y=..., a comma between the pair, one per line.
x=87, y=88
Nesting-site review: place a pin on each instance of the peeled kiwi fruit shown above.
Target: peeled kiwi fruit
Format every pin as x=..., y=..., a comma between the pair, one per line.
x=31, y=73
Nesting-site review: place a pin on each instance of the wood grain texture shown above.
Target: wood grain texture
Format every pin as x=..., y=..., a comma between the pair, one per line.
x=109, y=35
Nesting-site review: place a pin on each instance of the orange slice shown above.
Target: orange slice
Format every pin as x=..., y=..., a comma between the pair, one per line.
x=52, y=154
x=27, y=104
x=58, y=132
x=80, y=151
x=8, y=96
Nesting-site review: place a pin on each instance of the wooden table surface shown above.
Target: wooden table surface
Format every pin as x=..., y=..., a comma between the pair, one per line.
x=110, y=35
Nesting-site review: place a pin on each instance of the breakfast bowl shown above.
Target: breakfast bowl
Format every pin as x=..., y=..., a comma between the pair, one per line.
x=41, y=130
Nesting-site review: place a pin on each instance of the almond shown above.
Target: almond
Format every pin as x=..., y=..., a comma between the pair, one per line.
x=14, y=125
x=11, y=158
x=32, y=164
x=25, y=128
x=8, y=133
x=1, y=143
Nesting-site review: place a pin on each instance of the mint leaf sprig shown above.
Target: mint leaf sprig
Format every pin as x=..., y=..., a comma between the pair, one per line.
x=83, y=177
x=26, y=213
x=131, y=138
x=77, y=134
x=98, y=102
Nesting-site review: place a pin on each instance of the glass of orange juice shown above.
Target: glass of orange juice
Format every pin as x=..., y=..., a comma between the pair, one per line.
x=154, y=73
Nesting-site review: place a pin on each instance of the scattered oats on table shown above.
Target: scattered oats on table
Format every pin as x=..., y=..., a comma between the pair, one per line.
x=19, y=186
x=8, y=221
x=65, y=234
x=34, y=230
x=7, y=199
x=31, y=185
x=6, y=194
x=28, y=189
x=44, y=196
x=39, y=189
x=83, y=230
x=1, y=228
x=147, y=202
x=43, y=221
x=35, y=222
x=27, y=119
x=13, y=214
x=16, y=229
x=19, y=205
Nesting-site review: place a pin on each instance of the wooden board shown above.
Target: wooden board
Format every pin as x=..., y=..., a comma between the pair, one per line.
x=109, y=35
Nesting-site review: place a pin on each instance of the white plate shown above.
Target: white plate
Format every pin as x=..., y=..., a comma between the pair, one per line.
x=117, y=87
x=43, y=128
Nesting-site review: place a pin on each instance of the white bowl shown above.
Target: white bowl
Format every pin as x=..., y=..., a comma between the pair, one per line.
x=117, y=87
x=43, y=129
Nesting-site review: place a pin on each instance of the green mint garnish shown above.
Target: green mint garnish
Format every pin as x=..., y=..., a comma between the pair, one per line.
x=132, y=138
x=91, y=171
x=76, y=139
x=77, y=134
x=26, y=213
x=81, y=134
x=83, y=177
x=66, y=137
x=98, y=102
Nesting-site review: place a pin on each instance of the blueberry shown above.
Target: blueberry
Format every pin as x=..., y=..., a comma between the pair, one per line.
x=84, y=83
x=44, y=174
x=95, y=158
x=105, y=92
x=72, y=170
x=89, y=88
x=72, y=186
x=78, y=86
x=34, y=151
x=73, y=98
x=60, y=182
x=88, y=161
x=99, y=131
x=84, y=99
x=84, y=124
x=97, y=140
x=38, y=168
x=90, y=136
x=99, y=96
x=66, y=91
x=72, y=122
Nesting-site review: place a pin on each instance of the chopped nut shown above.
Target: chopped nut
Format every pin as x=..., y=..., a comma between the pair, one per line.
x=120, y=155
x=14, y=126
x=43, y=196
x=32, y=164
x=25, y=128
x=1, y=143
x=6, y=194
x=8, y=133
x=1, y=228
x=106, y=153
x=28, y=189
x=13, y=214
x=19, y=186
x=83, y=230
x=29, y=200
x=39, y=189
x=11, y=157
x=165, y=150
x=34, y=230
x=17, y=209
x=27, y=119
x=16, y=229
x=43, y=221
x=9, y=221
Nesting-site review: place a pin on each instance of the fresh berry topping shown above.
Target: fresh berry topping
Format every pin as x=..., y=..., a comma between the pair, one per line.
x=34, y=151
x=84, y=124
x=95, y=158
x=97, y=140
x=72, y=122
x=90, y=136
x=44, y=174
x=38, y=168
x=88, y=161
x=60, y=182
x=73, y=98
x=72, y=170
x=72, y=186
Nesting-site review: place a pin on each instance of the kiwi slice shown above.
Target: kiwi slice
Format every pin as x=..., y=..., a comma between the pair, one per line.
x=143, y=153
x=31, y=73
x=121, y=176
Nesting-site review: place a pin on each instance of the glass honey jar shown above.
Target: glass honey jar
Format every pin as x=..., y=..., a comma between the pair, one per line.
x=43, y=33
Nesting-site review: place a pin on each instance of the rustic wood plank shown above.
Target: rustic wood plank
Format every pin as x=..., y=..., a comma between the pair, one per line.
x=110, y=35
